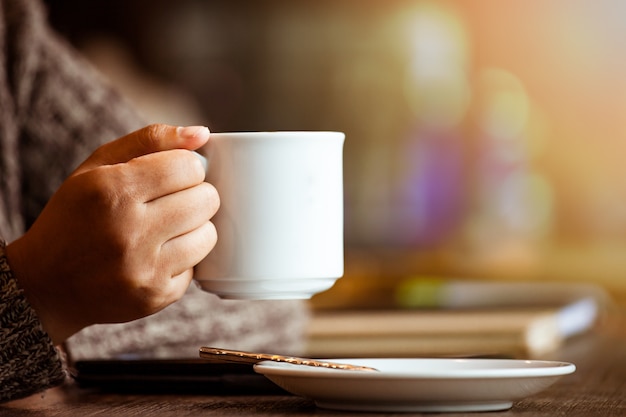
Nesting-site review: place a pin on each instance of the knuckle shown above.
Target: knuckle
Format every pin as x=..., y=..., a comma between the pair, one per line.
x=151, y=136
x=193, y=163
x=100, y=189
x=102, y=152
x=185, y=164
x=107, y=202
x=213, y=199
x=146, y=296
x=203, y=243
x=212, y=235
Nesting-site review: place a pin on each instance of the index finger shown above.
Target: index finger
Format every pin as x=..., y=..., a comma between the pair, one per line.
x=156, y=175
x=150, y=139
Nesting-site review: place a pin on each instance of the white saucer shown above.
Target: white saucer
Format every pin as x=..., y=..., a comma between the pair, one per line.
x=418, y=385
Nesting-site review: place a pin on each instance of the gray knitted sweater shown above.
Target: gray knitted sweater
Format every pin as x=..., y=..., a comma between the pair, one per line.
x=54, y=111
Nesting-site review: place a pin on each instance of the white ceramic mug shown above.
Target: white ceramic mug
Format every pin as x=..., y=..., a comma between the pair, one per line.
x=280, y=221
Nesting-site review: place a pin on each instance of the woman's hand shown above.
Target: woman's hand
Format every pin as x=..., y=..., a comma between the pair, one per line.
x=119, y=239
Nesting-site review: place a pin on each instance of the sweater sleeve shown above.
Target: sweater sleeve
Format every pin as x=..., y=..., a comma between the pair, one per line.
x=29, y=362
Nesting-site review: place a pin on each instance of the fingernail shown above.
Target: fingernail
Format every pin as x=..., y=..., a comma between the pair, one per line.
x=192, y=132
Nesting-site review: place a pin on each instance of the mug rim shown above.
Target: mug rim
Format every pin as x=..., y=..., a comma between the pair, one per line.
x=278, y=133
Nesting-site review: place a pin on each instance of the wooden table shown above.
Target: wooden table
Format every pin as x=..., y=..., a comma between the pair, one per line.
x=598, y=388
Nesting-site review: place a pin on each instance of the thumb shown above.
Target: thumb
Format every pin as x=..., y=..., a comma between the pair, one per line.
x=150, y=139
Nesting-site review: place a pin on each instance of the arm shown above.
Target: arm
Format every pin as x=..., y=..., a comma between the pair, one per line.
x=54, y=110
x=116, y=242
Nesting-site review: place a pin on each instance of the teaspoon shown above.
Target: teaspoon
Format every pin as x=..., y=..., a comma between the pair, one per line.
x=238, y=356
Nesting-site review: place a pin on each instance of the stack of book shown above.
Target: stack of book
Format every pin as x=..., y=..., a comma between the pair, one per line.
x=520, y=329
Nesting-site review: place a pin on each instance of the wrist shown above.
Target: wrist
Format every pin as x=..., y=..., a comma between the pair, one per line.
x=30, y=361
x=26, y=278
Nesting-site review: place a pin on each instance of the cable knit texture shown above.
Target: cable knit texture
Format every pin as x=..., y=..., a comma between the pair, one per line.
x=28, y=360
x=55, y=109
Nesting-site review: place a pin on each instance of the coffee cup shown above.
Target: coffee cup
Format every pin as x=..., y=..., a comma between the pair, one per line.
x=280, y=221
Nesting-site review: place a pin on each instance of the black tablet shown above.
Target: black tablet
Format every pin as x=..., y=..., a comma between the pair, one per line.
x=191, y=376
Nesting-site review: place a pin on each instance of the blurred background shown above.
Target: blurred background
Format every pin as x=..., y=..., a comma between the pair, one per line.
x=484, y=139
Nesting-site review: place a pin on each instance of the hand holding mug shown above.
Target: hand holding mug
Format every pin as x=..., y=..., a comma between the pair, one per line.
x=120, y=237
